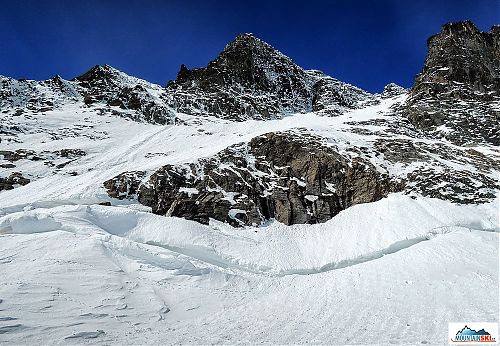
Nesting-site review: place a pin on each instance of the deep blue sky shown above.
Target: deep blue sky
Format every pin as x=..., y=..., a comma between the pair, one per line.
x=366, y=43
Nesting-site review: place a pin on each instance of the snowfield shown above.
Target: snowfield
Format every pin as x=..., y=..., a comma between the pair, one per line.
x=394, y=271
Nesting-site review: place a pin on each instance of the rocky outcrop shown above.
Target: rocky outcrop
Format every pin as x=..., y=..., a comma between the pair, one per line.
x=332, y=97
x=103, y=88
x=437, y=170
x=31, y=155
x=252, y=80
x=10, y=160
x=36, y=96
x=457, y=94
x=287, y=176
x=125, y=185
x=104, y=84
x=13, y=180
x=392, y=90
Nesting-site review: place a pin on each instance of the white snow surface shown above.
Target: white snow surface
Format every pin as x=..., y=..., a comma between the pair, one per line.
x=394, y=271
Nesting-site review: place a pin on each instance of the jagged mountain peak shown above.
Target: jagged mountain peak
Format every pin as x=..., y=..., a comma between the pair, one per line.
x=252, y=79
x=465, y=26
x=462, y=53
x=245, y=44
x=251, y=45
x=465, y=33
x=255, y=63
x=136, y=98
x=246, y=39
x=456, y=93
x=99, y=73
x=246, y=62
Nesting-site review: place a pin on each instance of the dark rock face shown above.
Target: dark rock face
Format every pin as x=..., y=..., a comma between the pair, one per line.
x=106, y=85
x=459, y=87
x=290, y=177
x=432, y=175
x=251, y=79
x=13, y=180
x=10, y=177
x=461, y=53
x=392, y=90
x=126, y=185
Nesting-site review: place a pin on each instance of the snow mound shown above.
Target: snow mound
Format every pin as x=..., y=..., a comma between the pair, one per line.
x=28, y=222
x=111, y=274
x=357, y=234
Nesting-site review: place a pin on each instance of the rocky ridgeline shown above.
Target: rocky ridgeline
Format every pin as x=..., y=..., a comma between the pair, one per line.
x=249, y=79
x=288, y=176
x=104, y=84
x=252, y=80
x=294, y=176
x=36, y=96
x=457, y=94
x=103, y=88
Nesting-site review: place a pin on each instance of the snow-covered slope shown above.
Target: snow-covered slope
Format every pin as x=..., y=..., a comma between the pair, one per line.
x=117, y=275
x=356, y=225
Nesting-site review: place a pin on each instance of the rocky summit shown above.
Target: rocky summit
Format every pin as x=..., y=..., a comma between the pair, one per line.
x=250, y=79
x=457, y=94
x=102, y=90
x=104, y=84
x=254, y=137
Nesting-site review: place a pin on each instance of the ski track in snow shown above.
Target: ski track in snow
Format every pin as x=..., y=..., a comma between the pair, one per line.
x=393, y=272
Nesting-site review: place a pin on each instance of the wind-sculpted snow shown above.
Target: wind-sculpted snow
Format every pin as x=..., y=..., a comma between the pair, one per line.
x=345, y=238
x=104, y=274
